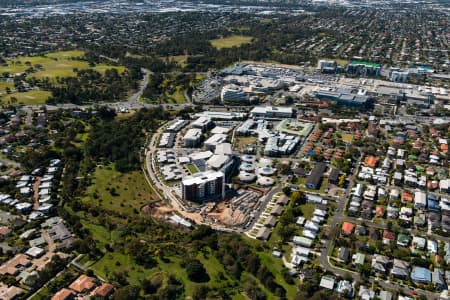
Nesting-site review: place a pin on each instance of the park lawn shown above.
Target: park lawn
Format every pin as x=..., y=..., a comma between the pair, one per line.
x=231, y=41
x=33, y=97
x=120, y=192
x=346, y=137
x=66, y=54
x=211, y=264
x=99, y=233
x=103, y=67
x=241, y=142
x=55, y=64
x=115, y=261
x=275, y=265
x=192, y=168
x=4, y=85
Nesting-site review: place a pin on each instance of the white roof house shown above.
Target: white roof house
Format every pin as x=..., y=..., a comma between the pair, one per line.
x=432, y=246
x=327, y=282
x=309, y=234
x=420, y=199
x=312, y=226
x=419, y=242
x=35, y=252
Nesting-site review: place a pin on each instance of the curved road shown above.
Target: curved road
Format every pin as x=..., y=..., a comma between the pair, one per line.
x=134, y=99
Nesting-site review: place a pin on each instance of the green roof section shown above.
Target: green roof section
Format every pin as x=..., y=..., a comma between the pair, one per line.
x=359, y=258
x=364, y=63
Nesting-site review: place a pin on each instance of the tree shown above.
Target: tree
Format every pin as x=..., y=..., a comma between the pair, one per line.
x=252, y=291
x=196, y=271
x=127, y=293
x=297, y=197
x=200, y=292
x=286, y=190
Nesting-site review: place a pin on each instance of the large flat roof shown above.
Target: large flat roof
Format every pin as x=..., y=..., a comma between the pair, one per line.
x=364, y=63
x=266, y=109
x=201, y=177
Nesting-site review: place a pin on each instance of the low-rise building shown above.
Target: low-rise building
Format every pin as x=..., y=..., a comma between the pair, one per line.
x=271, y=112
x=193, y=137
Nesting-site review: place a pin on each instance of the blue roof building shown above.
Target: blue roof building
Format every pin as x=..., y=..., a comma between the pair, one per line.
x=421, y=275
x=433, y=205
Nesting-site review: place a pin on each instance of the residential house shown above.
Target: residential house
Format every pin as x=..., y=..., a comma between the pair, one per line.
x=419, y=242
x=345, y=288
x=64, y=294
x=420, y=200
x=400, y=269
x=347, y=228
x=437, y=277
x=380, y=263
x=82, y=284
x=388, y=237
x=366, y=293
x=432, y=246
x=4, y=232
x=420, y=275
x=358, y=259
x=343, y=254
x=420, y=220
x=333, y=178
x=104, y=291
x=327, y=282
x=15, y=265
x=392, y=212
x=385, y=295
x=403, y=240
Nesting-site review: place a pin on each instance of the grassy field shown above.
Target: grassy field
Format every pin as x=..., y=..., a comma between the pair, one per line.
x=241, y=142
x=56, y=64
x=231, y=41
x=115, y=261
x=346, y=137
x=51, y=65
x=177, y=97
x=124, y=193
x=275, y=265
x=308, y=210
x=192, y=168
x=27, y=98
x=4, y=85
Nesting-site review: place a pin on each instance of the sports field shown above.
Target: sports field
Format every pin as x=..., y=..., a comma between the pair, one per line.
x=231, y=41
